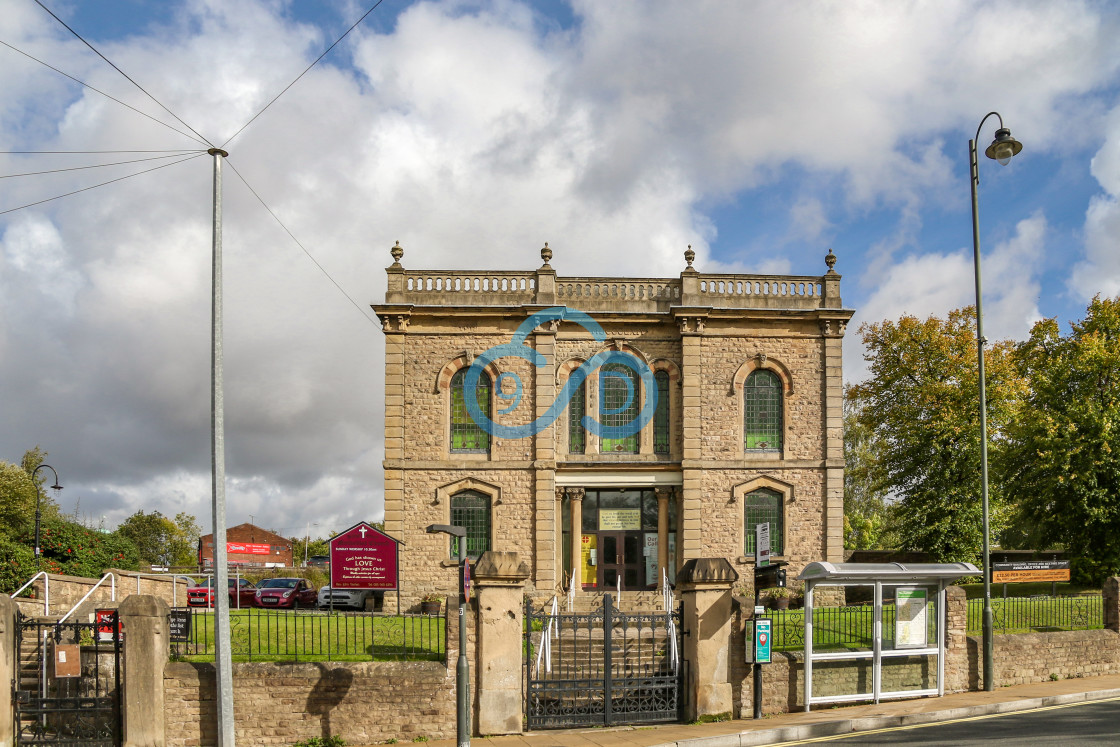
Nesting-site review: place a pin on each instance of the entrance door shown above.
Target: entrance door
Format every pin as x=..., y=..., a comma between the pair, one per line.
x=620, y=556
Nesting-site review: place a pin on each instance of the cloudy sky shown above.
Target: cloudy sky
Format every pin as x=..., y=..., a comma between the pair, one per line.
x=761, y=133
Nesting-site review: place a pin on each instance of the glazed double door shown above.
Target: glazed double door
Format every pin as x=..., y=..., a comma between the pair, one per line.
x=620, y=556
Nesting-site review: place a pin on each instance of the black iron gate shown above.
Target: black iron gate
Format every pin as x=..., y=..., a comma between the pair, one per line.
x=67, y=689
x=602, y=668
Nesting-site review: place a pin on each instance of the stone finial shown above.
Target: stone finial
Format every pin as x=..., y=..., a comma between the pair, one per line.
x=830, y=260
x=689, y=256
x=397, y=253
x=546, y=254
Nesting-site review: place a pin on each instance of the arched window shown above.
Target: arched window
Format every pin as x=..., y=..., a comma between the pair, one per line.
x=761, y=506
x=577, y=408
x=661, y=414
x=618, y=405
x=466, y=436
x=470, y=509
x=762, y=412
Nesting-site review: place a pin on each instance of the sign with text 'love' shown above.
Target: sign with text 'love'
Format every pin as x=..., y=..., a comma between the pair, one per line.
x=363, y=557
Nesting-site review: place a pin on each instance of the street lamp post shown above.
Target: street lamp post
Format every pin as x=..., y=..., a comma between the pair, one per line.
x=38, y=509
x=1002, y=149
x=462, y=681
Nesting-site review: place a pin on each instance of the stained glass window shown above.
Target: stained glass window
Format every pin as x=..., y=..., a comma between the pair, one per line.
x=661, y=414
x=762, y=412
x=466, y=436
x=759, y=507
x=471, y=510
x=618, y=405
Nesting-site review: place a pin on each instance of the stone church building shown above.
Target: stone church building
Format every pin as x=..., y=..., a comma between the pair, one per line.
x=729, y=413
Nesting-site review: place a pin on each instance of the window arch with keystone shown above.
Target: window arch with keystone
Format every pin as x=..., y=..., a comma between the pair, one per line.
x=763, y=386
x=763, y=499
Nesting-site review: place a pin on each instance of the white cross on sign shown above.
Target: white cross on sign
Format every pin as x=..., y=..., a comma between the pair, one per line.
x=362, y=532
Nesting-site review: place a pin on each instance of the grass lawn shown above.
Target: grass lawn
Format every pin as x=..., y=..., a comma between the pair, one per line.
x=271, y=635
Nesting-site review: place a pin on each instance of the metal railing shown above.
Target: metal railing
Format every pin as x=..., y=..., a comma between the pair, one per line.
x=283, y=635
x=1039, y=614
x=113, y=594
x=46, y=590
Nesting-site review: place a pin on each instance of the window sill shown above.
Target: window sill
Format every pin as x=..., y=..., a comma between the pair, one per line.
x=749, y=559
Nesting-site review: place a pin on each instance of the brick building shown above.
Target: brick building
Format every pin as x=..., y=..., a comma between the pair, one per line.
x=248, y=545
x=747, y=425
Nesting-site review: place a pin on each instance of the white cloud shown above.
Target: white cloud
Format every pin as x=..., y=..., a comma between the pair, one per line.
x=1100, y=270
x=473, y=137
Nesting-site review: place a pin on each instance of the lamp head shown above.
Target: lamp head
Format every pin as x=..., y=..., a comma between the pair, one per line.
x=1003, y=147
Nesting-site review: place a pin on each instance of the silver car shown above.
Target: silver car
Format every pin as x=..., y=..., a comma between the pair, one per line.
x=353, y=598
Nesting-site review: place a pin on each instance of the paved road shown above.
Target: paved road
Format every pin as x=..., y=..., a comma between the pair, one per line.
x=1090, y=723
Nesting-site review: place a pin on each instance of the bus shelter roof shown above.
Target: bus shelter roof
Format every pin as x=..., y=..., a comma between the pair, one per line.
x=821, y=571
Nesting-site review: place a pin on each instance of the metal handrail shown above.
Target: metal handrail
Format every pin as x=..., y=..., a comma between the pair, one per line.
x=572, y=592
x=552, y=630
x=113, y=585
x=46, y=590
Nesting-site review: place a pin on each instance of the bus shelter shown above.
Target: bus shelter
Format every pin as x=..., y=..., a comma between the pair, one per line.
x=894, y=648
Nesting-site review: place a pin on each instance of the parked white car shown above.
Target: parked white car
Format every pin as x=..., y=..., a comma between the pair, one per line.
x=344, y=598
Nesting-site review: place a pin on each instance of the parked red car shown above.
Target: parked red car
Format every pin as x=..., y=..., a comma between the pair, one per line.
x=285, y=592
x=203, y=595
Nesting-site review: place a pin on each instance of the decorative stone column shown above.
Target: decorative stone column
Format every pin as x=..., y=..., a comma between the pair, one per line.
x=8, y=666
x=663, y=495
x=1111, y=598
x=575, y=509
x=705, y=584
x=146, y=649
x=499, y=578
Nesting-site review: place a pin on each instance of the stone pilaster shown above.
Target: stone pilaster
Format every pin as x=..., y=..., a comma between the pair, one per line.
x=8, y=665
x=692, y=420
x=956, y=640
x=833, y=402
x=146, y=649
x=394, y=431
x=705, y=584
x=499, y=579
x=546, y=561
x=1111, y=600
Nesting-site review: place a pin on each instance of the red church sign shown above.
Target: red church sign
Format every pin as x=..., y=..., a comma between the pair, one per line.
x=363, y=558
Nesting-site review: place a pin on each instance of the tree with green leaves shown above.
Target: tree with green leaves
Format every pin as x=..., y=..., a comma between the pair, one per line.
x=162, y=541
x=922, y=405
x=1063, y=455
x=867, y=513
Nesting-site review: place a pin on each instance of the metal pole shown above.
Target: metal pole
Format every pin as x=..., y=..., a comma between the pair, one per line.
x=989, y=655
x=223, y=662
x=38, y=508
x=462, y=669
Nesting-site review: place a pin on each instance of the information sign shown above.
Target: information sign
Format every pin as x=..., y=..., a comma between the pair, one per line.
x=762, y=640
x=179, y=626
x=762, y=545
x=1030, y=570
x=911, y=621
x=364, y=557
x=588, y=544
x=620, y=519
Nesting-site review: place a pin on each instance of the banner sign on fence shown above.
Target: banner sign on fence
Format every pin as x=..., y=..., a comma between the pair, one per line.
x=180, y=625
x=1030, y=570
x=911, y=617
x=243, y=548
x=363, y=557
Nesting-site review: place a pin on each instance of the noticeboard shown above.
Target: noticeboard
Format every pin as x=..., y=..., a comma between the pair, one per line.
x=179, y=625
x=364, y=557
x=1030, y=570
x=911, y=617
x=619, y=519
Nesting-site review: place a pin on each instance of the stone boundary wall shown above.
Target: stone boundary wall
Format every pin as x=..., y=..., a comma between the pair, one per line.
x=281, y=703
x=1020, y=659
x=278, y=703
x=67, y=590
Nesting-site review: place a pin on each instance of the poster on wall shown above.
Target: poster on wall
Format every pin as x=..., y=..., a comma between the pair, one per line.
x=650, y=553
x=587, y=559
x=911, y=621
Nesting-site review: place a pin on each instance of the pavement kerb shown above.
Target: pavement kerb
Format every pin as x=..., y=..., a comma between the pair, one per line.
x=796, y=732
